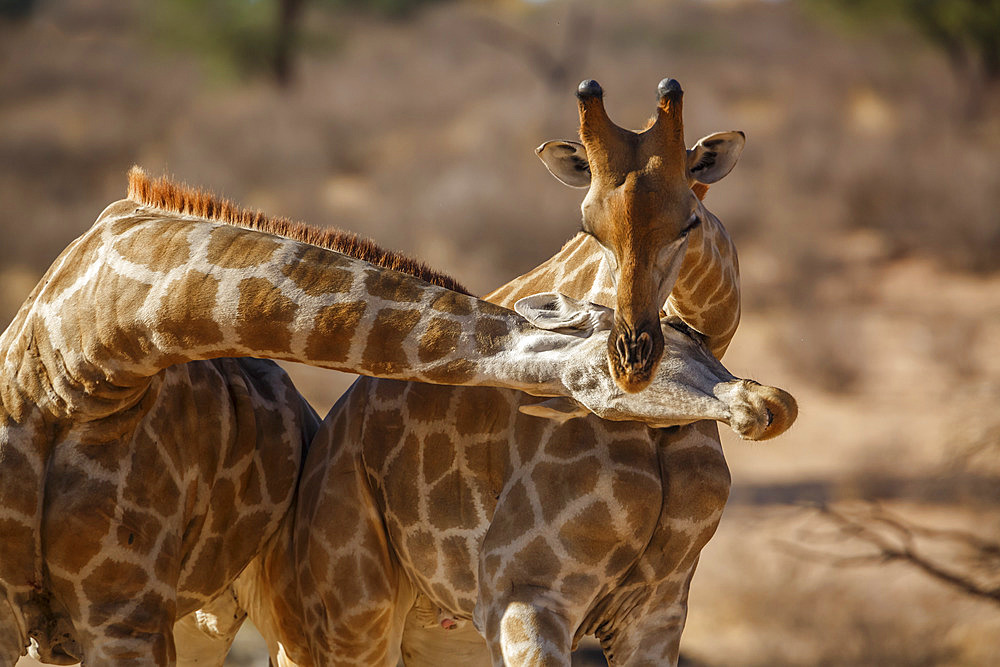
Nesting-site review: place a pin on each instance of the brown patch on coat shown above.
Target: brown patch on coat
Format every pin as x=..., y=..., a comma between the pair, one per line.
x=392, y=286
x=385, y=390
x=111, y=586
x=439, y=340
x=139, y=530
x=203, y=575
x=75, y=541
x=186, y=317
x=279, y=470
x=568, y=441
x=456, y=371
x=697, y=483
x=560, y=489
x=102, y=335
x=452, y=303
x=403, y=496
x=384, y=353
x=264, y=316
x=12, y=550
x=422, y=550
x=61, y=275
x=438, y=456
x=641, y=494
x=579, y=585
x=536, y=563
x=159, y=248
x=457, y=562
x=472, y=418
x=241, y=542
x=21, y=484
x=588, y=537
x=314, y=273
x=179, y=198
x=427, y=403
x=229, y=248
x=512, y=517
x=149, y=483
x=333, y=330
x=622, y=559
x=450, y=502
x=491, y=336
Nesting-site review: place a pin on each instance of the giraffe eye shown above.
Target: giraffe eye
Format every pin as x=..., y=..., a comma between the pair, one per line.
x=693, y=222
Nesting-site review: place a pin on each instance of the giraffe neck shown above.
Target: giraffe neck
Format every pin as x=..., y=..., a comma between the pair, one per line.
x=706, y=296
x=707, y=293
x=145, y=289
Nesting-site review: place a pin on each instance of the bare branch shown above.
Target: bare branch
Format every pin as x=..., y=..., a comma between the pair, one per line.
x=895, y=539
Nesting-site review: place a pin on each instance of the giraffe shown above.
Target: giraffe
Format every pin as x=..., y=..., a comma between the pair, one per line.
x=641, y=208
x=424, y=508
x=146, y=457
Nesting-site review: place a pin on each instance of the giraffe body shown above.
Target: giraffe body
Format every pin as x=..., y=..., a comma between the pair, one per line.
x=419, y=501
x=568, y=530
x=145, y=463
x=434, y=501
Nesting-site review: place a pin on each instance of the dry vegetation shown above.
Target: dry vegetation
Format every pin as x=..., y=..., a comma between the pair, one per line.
x=865, y=208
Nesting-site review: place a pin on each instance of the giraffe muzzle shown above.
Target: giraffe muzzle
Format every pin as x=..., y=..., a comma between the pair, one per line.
x=634, y=352
x=760, y=412
x=633, y=357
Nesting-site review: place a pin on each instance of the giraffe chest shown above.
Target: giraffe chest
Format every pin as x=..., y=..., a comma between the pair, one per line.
x=483, y=489
x=184, y=486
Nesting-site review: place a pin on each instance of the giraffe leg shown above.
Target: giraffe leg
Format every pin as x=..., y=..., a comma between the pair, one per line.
x=525, y=622
x=127, y=631
x=204, y=637
x=126, y=623
x=10, y=634
x=654, y=637
x=696, y=487
x=131, y=642
x=113, y=570
x=354, y=598
x=528, y=633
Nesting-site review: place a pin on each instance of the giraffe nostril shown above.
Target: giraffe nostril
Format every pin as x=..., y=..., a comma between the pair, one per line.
x=621, y=346
x=634, y=352
x=644, y=347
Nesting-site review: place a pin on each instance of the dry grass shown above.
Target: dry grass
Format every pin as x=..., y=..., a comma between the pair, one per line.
x=864, y=208
x=753, y=603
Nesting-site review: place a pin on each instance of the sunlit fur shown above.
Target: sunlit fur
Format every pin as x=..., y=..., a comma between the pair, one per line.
x=640, y=201
x=168, y=195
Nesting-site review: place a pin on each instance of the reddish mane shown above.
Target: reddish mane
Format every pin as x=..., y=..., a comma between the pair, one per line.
x=179, y=198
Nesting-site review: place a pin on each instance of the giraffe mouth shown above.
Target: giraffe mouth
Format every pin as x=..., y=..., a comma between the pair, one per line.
x=760, y=412
x=634, y=356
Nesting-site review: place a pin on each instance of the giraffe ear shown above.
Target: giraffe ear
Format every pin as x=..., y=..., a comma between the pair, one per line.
x=560, y=409
x=715, y=156
x=557, y=312
x=567, y=161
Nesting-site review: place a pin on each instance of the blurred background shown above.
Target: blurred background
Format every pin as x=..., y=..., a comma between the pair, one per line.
x=866, y=209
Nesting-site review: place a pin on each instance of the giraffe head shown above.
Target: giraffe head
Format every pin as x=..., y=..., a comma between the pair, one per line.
x=640, y=206
x=689, y=385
